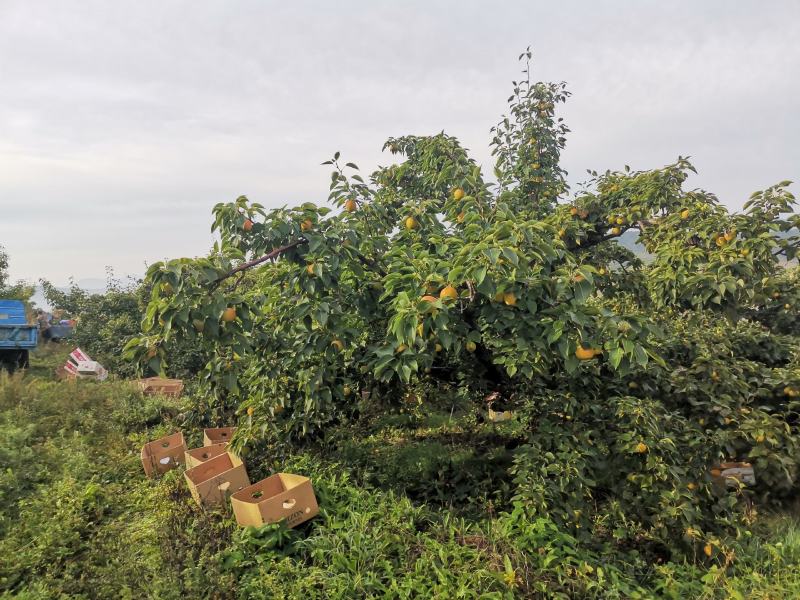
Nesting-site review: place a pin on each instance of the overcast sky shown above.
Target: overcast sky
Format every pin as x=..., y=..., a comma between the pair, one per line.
x=123, y=123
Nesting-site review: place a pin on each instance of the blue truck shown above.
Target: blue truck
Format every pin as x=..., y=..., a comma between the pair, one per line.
x=17, y=336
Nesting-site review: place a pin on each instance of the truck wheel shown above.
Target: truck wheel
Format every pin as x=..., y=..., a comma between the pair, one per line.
x=9, y=360
x=14, y=359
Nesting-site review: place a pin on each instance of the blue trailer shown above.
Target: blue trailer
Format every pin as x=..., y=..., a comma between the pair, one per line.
x=17, y=336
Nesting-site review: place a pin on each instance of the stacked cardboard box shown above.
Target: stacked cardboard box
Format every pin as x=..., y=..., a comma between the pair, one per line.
x=80, y=366
x=197, y=456
x=214, y=474
x=213, y=481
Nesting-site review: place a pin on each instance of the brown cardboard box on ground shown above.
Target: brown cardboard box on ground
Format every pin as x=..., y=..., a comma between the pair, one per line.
x=151, y=386
x=217, y=435
x=161, y=455
x=197, y=456
x=213, y=481
x=727, y=474
x=500, y=416
x=280, y=496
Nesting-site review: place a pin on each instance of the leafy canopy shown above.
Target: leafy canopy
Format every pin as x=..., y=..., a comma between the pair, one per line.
x=430, y=271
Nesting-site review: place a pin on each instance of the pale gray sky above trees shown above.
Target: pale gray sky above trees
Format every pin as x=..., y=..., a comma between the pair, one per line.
x=123, y=123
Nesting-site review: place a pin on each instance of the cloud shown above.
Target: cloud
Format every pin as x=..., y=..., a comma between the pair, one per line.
x=121, y=125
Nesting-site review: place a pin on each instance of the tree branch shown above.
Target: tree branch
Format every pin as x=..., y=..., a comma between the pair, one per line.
x=641, y=225
x=371, y=264
x=236, y=283
x=257, y=261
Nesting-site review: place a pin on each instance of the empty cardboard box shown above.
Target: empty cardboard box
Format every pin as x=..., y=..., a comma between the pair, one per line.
x=214, y=480
x=197, y=456
x=730, y=473
x=151, y=386
x=159, y=456
x=217, y=435
x=500, y=416
x=278, y=497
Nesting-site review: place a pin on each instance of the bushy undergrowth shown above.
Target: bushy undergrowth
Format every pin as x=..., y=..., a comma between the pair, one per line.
x=78, y=519
x=107, y=321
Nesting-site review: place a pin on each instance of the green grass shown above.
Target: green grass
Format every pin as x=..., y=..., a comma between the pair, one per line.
x=78, y=519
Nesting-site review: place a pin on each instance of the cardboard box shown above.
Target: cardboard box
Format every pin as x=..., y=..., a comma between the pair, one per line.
x=80, y=365
x=164, y=454
x=160, y=385
x=91, y=369
x=64, y=372
x=729, y=473
x=197, y=456
x=278, y=497
x=213, y=481
x=217, y=435
x=500, y=416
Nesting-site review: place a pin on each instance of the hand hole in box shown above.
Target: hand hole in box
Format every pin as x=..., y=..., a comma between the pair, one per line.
x=289, y=503
x=224, y=434
x=165, y=444
x=205, y=454
x=258, y=494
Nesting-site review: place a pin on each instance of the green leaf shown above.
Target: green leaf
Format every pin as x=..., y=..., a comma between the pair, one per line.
x=615, y=357
x=511, y=256
x=640, y=355
x=493, y=254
